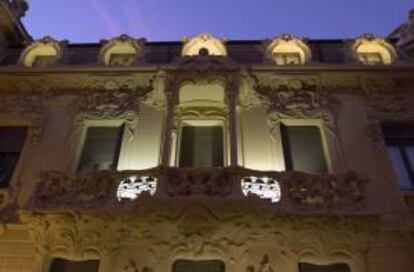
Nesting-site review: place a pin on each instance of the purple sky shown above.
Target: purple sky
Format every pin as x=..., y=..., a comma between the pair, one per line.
x=93, y=20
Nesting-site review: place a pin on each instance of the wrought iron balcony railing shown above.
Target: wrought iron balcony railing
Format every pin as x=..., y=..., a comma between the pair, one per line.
x=112, y=191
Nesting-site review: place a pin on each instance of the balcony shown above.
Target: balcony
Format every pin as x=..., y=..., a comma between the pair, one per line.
x=121, y=191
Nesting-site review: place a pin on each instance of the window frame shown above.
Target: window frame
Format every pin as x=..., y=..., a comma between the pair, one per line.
x=83, y=136
x=23, y=152
x=327, y=149
x=200, y=123
x=401, y=144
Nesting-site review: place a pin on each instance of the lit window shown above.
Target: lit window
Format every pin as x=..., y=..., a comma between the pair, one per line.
x=400, y=146
x=202, y=146
x=372, y=50
x=101, y=148
x=11, y=144
x=62, y=265
x=371, y=58
x=286, y=58
x=303, y=150
x=306, y=267
x=198, y=266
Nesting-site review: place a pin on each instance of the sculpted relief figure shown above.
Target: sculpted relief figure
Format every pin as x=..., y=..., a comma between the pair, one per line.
x=263, y=267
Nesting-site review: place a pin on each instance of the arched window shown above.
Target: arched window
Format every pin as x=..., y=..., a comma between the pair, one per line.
x=41, y=53
x=203, y=45
x=288, y=50
x=371, y=50
x=121, y=51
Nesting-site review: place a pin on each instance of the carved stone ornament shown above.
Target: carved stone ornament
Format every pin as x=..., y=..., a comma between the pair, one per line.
x=294, y=43
x=132, y=267
x=123, y=44
x=192, y=230
x=385, y=49
x=44, y=47
x=298, y=98
x=388, y=107
x=264, y=266
x=115, y=104
x=205, y=41
x=27, y=110
x=299, y=192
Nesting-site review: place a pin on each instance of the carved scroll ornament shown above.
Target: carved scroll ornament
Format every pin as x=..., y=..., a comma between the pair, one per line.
x=118, y=104
x=300, y=192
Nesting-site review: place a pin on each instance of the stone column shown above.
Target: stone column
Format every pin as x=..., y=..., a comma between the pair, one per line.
x=171, y=93
x=232, y=91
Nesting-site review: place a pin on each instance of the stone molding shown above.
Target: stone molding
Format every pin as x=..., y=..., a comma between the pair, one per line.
x=169, y=232
x=302, y=193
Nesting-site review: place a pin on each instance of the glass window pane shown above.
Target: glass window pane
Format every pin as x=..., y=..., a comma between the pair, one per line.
x=400, y=170
x=303, y=149
x=306, y=267
x=12, y=140
x=61, y=265
x=409, y=150
x=101, y=148
x=198, y=266
x=201, y=147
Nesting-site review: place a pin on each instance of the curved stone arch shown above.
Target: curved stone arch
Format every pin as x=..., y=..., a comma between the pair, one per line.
x=122, y=45
x=204, y=41
x=45, y=47
x=287, y=43
x=371, y=44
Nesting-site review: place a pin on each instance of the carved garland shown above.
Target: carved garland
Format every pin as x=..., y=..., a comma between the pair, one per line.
x=387, y=100
x=118, y=104
x=298, y=98
x=193, y=231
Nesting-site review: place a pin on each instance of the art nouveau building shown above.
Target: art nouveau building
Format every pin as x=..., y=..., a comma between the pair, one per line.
x=206, y=155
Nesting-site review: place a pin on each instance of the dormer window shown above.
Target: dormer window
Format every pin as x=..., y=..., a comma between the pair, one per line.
x=371, y=50
x=41, y=53
x=288, y=50
x=203, y=45
x=121, y=51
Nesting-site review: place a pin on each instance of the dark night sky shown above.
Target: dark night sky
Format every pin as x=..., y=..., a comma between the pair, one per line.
x=93, y=20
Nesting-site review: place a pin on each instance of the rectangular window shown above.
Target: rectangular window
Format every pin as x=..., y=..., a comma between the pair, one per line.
x=306, y=267
x=12, y=140
x=62, y=265
x=371, y=58
x=303, y=149
x=201, y=146
x=101, y=148
x=198, y=266
x=400, y=146
x=287, y=58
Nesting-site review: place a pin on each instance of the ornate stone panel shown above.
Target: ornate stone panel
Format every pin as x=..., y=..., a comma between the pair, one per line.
x=117, y=104
x=194, y=229
x=300, y=192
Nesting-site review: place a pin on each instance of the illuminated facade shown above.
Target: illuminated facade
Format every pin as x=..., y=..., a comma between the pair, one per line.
x=206, y=154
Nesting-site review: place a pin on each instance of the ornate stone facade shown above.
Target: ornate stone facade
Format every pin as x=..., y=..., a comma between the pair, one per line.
x=249, y=213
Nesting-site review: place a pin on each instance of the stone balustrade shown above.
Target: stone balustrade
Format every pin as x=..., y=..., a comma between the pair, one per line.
x=116, y=191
